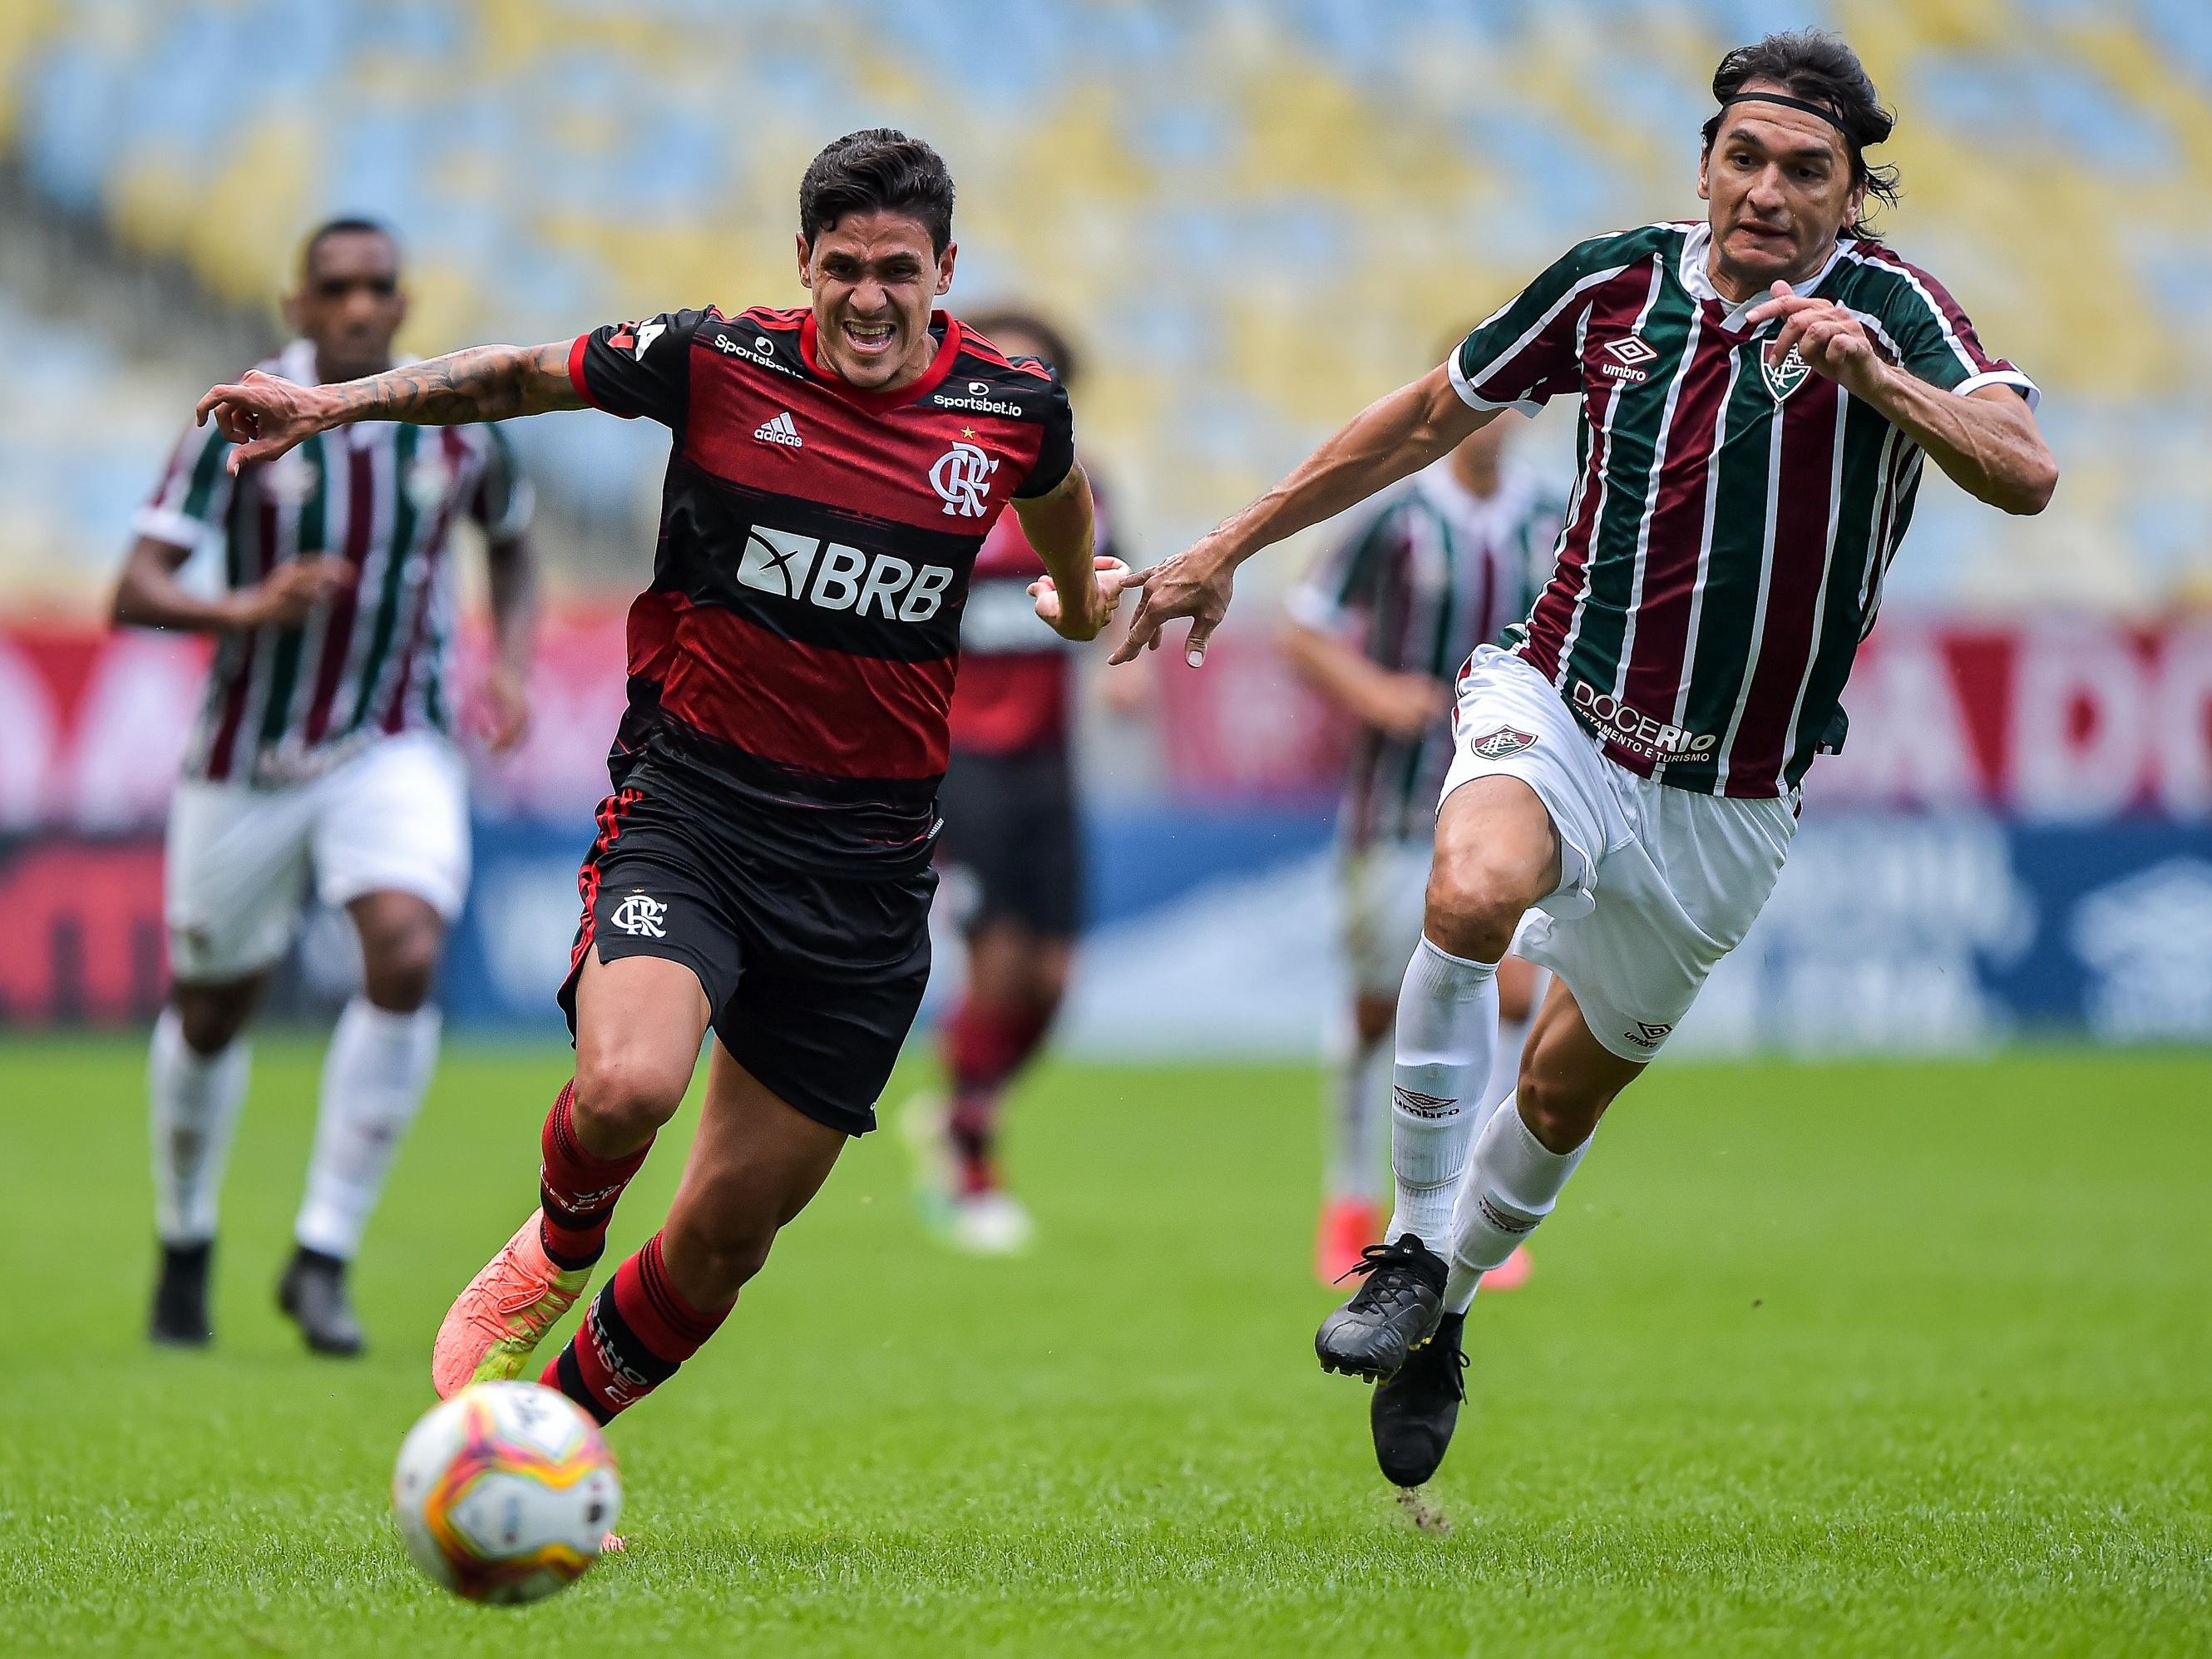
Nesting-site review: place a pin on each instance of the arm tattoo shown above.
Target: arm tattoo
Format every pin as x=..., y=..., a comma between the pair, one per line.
x=484, y=383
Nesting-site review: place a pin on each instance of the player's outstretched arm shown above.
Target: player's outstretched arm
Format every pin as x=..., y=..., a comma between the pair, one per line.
x=1389, y=438
x=1062, y=528
x=1987, y=442
x=265, y=415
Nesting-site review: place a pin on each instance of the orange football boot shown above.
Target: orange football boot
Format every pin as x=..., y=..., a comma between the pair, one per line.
x=498, y=1323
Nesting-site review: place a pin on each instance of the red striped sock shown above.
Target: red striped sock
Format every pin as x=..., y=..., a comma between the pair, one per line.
x=984, y=1045
x=576, y=1190
x=639, y=1330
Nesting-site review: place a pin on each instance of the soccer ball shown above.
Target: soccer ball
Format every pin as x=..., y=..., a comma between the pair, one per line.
x=506, y=1492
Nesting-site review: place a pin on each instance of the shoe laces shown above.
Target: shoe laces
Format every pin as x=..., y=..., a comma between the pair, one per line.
x=1390, y=1272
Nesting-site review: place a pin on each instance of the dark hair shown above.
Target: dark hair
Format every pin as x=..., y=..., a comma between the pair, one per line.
x=1054, y=349
x=346, y=225
x=1819, y=68
x=879, y=171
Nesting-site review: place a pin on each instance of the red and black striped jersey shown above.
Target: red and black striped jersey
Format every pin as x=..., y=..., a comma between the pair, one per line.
x=792, y=662
x=284, y=704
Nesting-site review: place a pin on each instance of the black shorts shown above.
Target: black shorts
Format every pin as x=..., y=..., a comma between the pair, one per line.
x=813, y=980
x=1010, y=825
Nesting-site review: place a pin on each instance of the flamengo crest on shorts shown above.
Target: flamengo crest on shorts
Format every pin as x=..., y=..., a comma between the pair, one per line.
x=639, y=917
x=1502, y=742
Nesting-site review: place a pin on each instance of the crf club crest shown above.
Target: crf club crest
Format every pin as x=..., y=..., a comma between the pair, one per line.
x=1786, y=376
x=1502, y=742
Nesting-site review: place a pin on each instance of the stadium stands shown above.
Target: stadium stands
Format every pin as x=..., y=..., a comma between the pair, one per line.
x=1259, y=215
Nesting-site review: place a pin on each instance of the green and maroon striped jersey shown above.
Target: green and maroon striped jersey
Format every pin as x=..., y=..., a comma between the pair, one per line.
x=285, y=703
x=1726, y=542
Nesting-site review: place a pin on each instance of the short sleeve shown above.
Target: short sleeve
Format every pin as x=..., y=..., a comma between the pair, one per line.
x=1056, y=451
x=504, y=500
x=1348, y=576
x=194, y=493
x=1934, y=339
x=1523, y=354
x=638, y=368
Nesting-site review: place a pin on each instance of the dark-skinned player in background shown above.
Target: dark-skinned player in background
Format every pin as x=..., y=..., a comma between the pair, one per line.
x=1758, y=391
x=762, y=867
x=323, y=754
x=1012, y=852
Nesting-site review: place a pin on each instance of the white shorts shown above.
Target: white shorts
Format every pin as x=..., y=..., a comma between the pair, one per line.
x=1656, y=885
x=394, y=818
x=1385, y=886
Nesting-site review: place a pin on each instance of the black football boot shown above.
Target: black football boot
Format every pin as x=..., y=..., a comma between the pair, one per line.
x=1389, y=1316
x=180, y=1319
x=1414, y=1412
x=313, y=1294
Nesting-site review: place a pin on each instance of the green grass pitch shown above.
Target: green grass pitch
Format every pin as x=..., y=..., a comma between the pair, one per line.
x=1891, y=1359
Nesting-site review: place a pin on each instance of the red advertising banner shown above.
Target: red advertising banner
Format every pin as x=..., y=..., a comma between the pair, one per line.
x=2055, y=718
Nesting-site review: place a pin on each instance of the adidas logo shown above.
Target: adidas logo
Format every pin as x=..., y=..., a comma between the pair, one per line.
x=779, y=431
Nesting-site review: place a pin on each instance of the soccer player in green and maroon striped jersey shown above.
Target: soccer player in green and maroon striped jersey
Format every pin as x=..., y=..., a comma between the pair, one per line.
x=322, y=751
x=1758, y=392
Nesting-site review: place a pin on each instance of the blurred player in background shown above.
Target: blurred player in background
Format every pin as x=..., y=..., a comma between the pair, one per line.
x=1012, y=852
x=1759, y=389
x=762, y=867
x=324, y=754
x=1435, y=566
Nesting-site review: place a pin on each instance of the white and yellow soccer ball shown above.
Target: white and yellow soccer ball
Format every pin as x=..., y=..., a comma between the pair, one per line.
x=506, y=1492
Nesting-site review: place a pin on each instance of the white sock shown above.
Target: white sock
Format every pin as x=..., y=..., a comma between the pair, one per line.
x=194, y=1101
x=1359, y=1096
x=1447, y=1034
x=1513, y=1180
x=1505, y=1069
x=374, y=1077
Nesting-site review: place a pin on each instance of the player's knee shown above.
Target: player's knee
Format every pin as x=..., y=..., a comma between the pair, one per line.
x=400, y=947
x=622, y=1098
x=399, y=982
x=210, y=1016
x=1469, y=913
x=1560, y=1117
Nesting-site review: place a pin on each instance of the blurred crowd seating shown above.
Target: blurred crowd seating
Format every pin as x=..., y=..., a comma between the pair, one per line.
x=1257, y=216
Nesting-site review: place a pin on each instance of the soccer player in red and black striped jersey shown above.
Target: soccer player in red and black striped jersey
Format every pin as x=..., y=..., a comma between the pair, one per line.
x=762, y=867
x=1758, y=391
x=322, y=751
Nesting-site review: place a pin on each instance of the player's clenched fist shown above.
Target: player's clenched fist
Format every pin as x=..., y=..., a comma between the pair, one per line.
x=288, y=594
x=1111, y=577
x=1829, y=338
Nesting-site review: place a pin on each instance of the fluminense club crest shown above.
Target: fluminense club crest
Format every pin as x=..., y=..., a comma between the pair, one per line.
x=1504, y=741
x=1786, y=376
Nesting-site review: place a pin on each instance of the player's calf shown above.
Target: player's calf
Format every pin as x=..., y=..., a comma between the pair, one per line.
x=639, y=1331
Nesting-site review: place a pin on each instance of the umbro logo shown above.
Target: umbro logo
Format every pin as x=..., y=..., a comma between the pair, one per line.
x=1627, y=353
x=780, y=430
x=1647, y=1035
x=639, y=917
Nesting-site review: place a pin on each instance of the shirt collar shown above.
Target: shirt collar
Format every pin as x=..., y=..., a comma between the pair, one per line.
x=1516, y=485
x=1697, y=277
